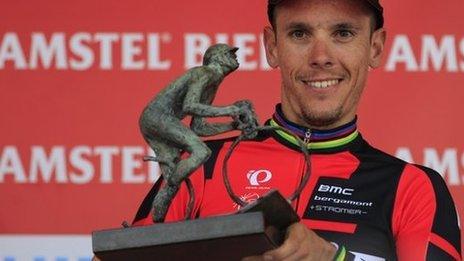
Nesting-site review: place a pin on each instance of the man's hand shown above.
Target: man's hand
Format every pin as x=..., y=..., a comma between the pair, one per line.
x=301, y=244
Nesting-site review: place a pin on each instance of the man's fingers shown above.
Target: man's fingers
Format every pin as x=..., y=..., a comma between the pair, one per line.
x=301, y=244
x=287, y=249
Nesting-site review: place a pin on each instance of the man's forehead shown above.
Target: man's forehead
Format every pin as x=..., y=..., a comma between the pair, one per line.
x=322, y=11
x=373, y=5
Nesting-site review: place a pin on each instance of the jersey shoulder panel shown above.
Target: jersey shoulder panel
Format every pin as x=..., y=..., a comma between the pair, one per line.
x=446, y=229
x=375, y=155
x=424, y=214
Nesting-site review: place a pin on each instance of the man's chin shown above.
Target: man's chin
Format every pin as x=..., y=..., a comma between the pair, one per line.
x=322, y=120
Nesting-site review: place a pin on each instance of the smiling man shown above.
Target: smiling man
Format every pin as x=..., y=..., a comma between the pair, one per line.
x=360, y=203
x=324, y=50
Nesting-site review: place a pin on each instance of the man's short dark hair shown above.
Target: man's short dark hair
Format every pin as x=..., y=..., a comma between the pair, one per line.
x=374, y=8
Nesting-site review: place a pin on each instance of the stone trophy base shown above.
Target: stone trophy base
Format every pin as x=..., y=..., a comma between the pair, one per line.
x=257, y=228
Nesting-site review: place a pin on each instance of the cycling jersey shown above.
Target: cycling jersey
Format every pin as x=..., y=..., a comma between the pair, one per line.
x=376, y=206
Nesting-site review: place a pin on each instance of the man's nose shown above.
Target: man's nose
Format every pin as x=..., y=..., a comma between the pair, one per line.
x=320, y=54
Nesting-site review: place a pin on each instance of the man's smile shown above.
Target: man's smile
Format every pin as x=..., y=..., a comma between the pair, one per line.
x=320, y=84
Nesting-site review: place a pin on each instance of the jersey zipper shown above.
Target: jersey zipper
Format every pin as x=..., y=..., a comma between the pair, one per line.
x=306, y=140
x=307, y=136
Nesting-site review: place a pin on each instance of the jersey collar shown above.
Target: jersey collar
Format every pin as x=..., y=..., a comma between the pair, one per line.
x=315, y=139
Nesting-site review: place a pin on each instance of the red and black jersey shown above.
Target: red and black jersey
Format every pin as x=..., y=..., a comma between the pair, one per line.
x=377, y=206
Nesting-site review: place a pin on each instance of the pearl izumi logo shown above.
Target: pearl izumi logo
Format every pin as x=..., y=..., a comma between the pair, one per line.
x=257, y=178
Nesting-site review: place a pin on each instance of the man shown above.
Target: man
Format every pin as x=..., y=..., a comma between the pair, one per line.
x=360, y=203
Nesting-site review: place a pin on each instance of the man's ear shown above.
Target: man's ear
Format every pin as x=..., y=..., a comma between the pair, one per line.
x=270, y=46
x=377, y=47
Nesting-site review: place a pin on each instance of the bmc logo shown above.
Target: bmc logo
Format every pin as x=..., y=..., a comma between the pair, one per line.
x=257, y=177
x=335, y=189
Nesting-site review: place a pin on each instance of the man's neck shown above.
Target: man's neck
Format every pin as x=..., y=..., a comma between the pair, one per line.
x=315, y=138
x=321, y=125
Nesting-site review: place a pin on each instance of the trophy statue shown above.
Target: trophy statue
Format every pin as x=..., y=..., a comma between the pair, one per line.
x=191, y=94
x=258, y=226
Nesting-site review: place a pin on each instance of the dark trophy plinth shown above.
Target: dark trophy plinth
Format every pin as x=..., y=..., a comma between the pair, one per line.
x=255, y=229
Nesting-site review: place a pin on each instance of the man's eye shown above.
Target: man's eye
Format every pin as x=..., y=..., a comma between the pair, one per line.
x=344, y=34
x=298, y=34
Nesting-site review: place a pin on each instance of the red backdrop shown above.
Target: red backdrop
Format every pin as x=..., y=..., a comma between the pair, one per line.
x=74, y=78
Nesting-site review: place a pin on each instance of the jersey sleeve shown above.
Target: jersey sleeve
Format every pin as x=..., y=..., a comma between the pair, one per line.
x=424, y=220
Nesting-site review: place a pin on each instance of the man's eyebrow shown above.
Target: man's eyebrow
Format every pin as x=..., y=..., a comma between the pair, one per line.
x=346, y=26
x=298, y=25
x=308, y=27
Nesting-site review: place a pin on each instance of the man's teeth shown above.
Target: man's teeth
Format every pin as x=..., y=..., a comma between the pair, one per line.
x=322, y=84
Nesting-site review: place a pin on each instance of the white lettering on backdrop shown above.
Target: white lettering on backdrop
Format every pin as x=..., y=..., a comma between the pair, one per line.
x=77, y=165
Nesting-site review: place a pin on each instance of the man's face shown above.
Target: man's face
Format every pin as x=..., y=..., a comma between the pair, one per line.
x=324, y=49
